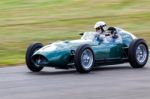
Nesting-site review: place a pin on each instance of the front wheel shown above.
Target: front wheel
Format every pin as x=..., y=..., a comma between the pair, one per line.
x=138, y=53
x=30, y=51
x=84, y=59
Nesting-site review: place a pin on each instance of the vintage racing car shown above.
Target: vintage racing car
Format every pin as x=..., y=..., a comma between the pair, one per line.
x=86, y=53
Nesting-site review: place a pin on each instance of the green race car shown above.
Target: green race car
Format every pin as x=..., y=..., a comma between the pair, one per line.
x=87, y=52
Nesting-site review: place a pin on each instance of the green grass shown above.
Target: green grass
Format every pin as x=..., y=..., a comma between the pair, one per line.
x=25, y=21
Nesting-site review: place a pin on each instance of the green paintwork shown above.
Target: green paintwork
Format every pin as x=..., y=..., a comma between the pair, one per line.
x=59, y=53
x=108, y=50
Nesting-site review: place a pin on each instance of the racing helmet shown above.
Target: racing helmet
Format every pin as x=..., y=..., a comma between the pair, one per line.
x=100, y=25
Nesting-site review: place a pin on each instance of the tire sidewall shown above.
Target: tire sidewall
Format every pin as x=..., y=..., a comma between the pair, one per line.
x=132, y=53
x=78, y=63
x=30, y=51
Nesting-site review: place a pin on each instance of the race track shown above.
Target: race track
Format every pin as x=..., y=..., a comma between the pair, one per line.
x=115, y=82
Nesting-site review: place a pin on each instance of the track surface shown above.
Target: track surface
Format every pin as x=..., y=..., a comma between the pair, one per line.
x=115, y=82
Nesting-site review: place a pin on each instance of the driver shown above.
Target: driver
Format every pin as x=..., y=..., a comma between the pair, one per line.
x=100, y=28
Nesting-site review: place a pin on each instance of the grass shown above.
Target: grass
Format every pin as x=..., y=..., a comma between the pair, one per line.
x=25, y=21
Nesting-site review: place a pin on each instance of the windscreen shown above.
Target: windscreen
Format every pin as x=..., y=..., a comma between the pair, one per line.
x=88, y=36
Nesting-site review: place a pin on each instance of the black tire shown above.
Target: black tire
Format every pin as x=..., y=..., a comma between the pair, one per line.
x=77, y=59
x=133, y=59
x=30, y=50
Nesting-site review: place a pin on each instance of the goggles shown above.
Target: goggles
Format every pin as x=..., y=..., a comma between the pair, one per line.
x=98, y=28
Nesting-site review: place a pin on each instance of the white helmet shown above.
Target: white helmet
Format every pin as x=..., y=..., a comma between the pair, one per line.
x=100, y=24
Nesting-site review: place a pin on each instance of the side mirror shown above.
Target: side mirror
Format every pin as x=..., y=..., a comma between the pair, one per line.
x=81, y=34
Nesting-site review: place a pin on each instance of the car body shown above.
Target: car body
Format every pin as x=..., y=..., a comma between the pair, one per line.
x=68, y=54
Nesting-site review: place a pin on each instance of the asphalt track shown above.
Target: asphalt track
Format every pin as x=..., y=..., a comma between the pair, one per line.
x=113, y=82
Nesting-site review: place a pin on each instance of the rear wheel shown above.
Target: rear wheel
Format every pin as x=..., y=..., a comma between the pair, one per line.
x=30, y=51
x=138, y=53
x=84, y=59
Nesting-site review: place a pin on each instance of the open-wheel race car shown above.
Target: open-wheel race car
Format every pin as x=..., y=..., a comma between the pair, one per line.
x=86, y=53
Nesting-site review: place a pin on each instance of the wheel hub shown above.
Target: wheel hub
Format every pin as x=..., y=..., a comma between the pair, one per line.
x=141, y=53
x=87, y=59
